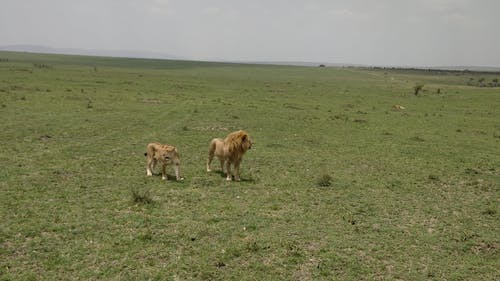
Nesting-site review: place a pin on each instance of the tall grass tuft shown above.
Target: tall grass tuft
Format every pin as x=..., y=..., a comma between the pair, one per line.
x=324, y=181
x=142, y=197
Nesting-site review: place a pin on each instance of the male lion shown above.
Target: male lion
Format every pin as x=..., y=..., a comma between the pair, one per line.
x=229, y=151
x=164, y=153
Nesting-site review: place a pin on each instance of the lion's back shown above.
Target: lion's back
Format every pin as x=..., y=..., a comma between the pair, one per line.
x=154, y=147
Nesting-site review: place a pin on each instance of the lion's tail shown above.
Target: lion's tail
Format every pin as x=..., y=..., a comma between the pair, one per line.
x=212, y=147
x=211, y=152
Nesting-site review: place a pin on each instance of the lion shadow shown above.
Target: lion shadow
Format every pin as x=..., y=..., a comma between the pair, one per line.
x=242, y=179
x=169, y=177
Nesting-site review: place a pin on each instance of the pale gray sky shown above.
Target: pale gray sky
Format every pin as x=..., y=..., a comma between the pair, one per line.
x=377, y=32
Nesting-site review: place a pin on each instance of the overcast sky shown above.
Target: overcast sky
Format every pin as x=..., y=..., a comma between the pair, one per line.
x=375, y=32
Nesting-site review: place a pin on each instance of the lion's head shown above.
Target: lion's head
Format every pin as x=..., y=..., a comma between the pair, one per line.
x=238, y=142
x=169, y=155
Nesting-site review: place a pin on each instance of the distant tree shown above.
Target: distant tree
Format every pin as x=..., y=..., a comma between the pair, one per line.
x=322, y=65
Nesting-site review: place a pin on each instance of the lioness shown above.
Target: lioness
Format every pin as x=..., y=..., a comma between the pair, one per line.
x=164, y=153
x=230, y=152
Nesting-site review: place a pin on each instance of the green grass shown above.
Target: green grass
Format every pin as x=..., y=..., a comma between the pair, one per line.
x=338, y=185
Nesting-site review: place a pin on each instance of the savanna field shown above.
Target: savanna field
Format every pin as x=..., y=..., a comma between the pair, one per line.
x=351, y=176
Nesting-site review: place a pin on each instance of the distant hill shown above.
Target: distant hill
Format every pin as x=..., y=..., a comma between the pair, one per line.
x=159, y=55
x=327, y=64
x=90, y=52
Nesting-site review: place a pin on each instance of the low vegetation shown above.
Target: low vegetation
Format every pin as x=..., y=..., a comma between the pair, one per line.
x=417, y=88
x=482, y=82
x=350, y=177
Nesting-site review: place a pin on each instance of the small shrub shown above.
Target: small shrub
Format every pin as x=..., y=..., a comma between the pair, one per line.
x=489, y=211
x=433, y=178
x=40, y=65
x=220, y=264
x=142, y=197
x=146, y=237
x=324, y=181
x=417, y=88
x=341, y=117
x=417, y=138
x=470, y=171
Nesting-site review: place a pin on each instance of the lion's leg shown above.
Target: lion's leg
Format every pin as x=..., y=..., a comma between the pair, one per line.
x=211, y=152
x=177, y=173
x=148, y=167
x=237, y=170
x=222, y=164
x=228, y=171
x=209, y=161
x=164, y=172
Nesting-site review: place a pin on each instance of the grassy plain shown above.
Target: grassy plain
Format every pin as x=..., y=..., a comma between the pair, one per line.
x=338, y=186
